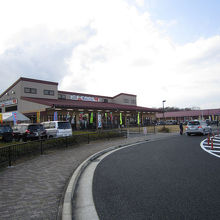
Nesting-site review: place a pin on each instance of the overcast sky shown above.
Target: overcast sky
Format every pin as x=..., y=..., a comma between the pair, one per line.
x=157, y=49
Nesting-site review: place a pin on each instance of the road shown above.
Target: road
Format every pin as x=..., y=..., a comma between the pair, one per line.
x=165, y=179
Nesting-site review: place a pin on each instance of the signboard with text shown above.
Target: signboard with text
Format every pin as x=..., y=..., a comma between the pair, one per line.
x=84, y=98
x=8, y=102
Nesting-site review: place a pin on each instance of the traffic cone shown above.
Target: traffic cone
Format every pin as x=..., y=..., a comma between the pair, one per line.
x=212, y=144
x=208, y=139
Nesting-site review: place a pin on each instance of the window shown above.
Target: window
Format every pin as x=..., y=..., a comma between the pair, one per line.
x=126, y=101
x=30, y=90
x=133, y=101
x=106, y=100
x=11, y=108
x=61, y=96
x=48, y=92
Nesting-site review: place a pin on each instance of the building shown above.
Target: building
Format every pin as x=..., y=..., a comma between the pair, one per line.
x=42, y=101
x=209, y=114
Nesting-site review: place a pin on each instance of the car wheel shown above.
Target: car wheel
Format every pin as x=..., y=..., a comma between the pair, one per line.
x=188, y=134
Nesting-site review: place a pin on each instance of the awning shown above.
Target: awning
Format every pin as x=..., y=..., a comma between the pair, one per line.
x=8, y=116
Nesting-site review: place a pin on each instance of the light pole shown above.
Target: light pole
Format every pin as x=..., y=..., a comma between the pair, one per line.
x=163, y=112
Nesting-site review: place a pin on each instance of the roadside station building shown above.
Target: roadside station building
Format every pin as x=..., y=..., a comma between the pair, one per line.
x=42, y=101
x=209, y=114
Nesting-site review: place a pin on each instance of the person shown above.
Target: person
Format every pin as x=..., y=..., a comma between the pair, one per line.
x=181, y=128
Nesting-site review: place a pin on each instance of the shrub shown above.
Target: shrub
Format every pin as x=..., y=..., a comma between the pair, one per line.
x=164, y=130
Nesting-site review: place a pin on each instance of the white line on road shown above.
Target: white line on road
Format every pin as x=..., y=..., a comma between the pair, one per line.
x=208, y=151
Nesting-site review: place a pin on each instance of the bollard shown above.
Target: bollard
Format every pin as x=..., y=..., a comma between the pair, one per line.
x=208, y=139
x=212, y=144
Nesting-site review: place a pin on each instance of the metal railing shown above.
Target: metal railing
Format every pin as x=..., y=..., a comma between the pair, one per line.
x=11, y=153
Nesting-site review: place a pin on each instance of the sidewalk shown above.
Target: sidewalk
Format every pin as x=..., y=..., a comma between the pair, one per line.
x=34, y=189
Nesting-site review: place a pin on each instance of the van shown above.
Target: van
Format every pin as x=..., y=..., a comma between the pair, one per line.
x=57, y=128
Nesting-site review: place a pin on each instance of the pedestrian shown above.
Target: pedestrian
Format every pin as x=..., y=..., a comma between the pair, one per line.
x=181, y=128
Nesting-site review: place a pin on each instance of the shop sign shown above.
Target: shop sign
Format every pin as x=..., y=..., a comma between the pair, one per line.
x=8, y=102
x=84, y=98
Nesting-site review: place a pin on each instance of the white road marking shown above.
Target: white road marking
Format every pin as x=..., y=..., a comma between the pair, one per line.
x=212, y=152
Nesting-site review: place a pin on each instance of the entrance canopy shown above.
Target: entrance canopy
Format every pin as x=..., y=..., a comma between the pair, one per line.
x=17, y=116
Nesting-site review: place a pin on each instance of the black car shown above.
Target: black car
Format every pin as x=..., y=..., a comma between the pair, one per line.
x=27, y=132
x=6, y=133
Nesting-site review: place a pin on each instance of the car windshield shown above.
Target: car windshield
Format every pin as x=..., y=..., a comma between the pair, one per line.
x=64, y=125
x=35, y=127
x=194, y=123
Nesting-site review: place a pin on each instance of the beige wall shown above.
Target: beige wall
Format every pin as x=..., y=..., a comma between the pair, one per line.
x=27, y=107
x=40, y=89
x=18, y=91
x=125, y=100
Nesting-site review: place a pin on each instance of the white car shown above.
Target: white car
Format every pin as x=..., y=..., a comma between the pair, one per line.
x=57, y=129
x=198, y=127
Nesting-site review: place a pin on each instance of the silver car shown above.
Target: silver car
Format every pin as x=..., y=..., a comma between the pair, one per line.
x=198, y=127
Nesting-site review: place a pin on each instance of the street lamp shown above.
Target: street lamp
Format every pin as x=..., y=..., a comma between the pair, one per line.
x=163, y=112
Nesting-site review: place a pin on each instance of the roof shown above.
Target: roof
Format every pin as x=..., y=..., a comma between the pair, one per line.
x=28, y=80
x=189, y=113
x=59, y=103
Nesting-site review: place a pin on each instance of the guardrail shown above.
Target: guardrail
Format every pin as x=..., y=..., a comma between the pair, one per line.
x=10, y=154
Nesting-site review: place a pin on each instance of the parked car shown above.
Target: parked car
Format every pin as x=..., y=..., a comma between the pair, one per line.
x=171, y=122
x=160, y=123
x=6, y=133
x=198, y=127
x=27, y=132
x=58, y=128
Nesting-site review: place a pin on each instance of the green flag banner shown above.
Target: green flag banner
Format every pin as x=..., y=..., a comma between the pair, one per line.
x=106, y=115
x=138, y=118
x=120, y=118
x=91, y=118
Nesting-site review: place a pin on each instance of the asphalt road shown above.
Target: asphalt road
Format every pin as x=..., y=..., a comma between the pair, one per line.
x=165, y=179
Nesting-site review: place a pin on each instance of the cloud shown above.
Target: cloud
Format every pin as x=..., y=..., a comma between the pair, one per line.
x=108, y=47
x=40, y=53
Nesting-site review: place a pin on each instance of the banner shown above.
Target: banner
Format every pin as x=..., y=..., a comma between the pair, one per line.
x=38, y=117
x=55, y=116
x=14, y=117
x=111, y=117
x=99, y=120
x=1, y=120
x=138, y=118
x=91, y=118
x=120, y=118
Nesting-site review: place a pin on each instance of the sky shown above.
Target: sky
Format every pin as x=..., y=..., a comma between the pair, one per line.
x=158, y=50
